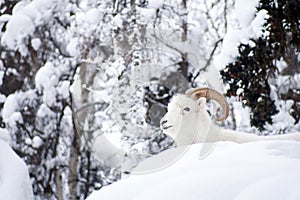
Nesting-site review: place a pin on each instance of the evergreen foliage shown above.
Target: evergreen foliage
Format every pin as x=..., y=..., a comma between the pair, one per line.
x=257, y=63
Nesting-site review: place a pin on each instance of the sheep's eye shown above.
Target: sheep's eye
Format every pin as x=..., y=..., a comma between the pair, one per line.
x=187, y=109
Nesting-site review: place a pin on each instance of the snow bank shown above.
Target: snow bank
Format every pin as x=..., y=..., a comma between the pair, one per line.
x=257, y=170
x=14, y=179
x=4, y=135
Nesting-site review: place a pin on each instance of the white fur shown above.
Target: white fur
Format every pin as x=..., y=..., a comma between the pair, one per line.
x=194, y=125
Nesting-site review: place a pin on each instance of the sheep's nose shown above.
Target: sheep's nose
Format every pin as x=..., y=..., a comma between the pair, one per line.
x=163, y=122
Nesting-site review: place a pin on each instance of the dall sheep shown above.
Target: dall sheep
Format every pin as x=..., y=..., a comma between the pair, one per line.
x=187, y=120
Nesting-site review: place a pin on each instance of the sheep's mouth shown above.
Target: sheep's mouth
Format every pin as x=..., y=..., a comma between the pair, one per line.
x=166, y=127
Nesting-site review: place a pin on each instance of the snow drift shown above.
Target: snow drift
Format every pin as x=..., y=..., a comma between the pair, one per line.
x=14, y=179
x=256, y=170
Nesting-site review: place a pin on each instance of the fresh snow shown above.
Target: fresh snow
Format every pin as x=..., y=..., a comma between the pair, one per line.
x=24, y=20
x=93, y=16
x=9, y=107
x=10, y=115
x=72, y=47
x=14, y=179
x=46, y=80
x=1, y=75
x=245, y=11
x=251, y=26
x=257, y=170
x=155, y=4
x=4, y=135
x=36, y=43
x=37, y=142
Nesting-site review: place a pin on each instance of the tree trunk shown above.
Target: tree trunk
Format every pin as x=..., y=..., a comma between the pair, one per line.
x=73, y=165
x=59, y=186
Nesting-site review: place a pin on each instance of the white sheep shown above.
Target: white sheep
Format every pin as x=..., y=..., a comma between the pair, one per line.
x=187, y=121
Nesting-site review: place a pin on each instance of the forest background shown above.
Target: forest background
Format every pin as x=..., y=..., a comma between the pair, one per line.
x=73, y=67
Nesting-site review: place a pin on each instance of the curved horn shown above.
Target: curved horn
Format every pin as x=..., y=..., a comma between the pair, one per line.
x=196, y=93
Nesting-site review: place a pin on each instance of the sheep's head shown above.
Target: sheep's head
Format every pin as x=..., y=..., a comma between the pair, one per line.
x=187, y=114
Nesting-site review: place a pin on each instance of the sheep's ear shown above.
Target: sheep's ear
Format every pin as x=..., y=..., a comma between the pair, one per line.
x=201, y=102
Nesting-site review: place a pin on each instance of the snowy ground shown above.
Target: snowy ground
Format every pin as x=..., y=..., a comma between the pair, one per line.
x=14, y=179
x=258, y=170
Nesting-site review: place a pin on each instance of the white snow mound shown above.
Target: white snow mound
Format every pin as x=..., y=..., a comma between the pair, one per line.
x=257, y=170
x=14, y=179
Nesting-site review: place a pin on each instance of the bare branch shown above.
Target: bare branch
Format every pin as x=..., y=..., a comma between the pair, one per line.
x=208, y=61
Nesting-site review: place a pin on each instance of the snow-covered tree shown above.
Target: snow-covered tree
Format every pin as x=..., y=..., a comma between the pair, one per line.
x=265, y=72
x=74, y=70
x=37, y=73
